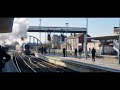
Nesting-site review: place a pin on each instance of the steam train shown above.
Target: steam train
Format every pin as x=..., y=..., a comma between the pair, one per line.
x=25, y=48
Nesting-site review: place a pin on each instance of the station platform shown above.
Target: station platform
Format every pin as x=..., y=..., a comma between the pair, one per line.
x=9, y=67
x=109, y=63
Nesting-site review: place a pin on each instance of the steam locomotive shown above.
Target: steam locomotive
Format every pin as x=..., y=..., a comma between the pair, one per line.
x=25, y=48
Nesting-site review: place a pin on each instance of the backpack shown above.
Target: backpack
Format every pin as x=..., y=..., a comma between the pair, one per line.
x=7, y=57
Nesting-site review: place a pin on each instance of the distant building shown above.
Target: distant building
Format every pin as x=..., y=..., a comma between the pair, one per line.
x=18, y=48
x=116, y=31
x=102, y=48
x=74, y=41
x=104, y=45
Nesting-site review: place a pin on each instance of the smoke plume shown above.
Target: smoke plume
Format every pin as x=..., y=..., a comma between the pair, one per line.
x=19, y=30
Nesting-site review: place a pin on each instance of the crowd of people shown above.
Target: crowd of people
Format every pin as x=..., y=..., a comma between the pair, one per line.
x=79, y=51
x=42, y=50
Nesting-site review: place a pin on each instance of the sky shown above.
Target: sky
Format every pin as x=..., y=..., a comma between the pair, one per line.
x=96, y=26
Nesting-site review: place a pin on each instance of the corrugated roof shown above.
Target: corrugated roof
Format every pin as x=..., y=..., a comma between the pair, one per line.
x=104, y=37
x=116, y=27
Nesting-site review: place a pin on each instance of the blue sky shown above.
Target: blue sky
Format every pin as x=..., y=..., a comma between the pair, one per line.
x=96, y=26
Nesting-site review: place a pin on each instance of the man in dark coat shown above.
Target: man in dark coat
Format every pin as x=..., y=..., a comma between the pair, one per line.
x=76, y=52
x=93, y=54
x=42, y=50
x=2, y=61
x=80, y=52
x=64, y=52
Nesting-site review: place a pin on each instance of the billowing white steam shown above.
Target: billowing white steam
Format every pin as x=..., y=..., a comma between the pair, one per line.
x=19, y=30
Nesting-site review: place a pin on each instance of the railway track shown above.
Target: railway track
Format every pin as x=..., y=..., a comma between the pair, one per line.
x=16, y=64
x=21, y=64
x=50, y=65
x=26, y=63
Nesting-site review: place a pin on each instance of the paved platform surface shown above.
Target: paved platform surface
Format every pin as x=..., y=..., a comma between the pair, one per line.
x=9, y=67
x=111, y=63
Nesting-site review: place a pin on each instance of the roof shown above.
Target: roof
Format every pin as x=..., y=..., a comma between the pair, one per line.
x=76, y=36
x=116, y=27
x=105, y=37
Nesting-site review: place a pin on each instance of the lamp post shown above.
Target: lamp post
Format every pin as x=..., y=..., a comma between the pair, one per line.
x=40, y=29
x=119, y=42
x=85, y=39
x=45, y=37
x=66, y=36
x=54, y=42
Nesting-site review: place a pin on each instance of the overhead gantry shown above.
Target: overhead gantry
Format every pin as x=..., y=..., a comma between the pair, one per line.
x=61, y=30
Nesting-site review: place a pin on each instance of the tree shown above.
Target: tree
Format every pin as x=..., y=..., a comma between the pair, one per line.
x=55, y=39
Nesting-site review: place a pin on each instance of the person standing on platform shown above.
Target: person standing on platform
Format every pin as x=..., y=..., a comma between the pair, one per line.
x=80, y=52
x=42, y=50
x=76, y=52
x=93, y=54
x=64, y=50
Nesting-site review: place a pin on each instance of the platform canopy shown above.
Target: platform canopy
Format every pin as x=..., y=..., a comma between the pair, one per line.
x=6, y=25
x=104, y=37
x=56, y=29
